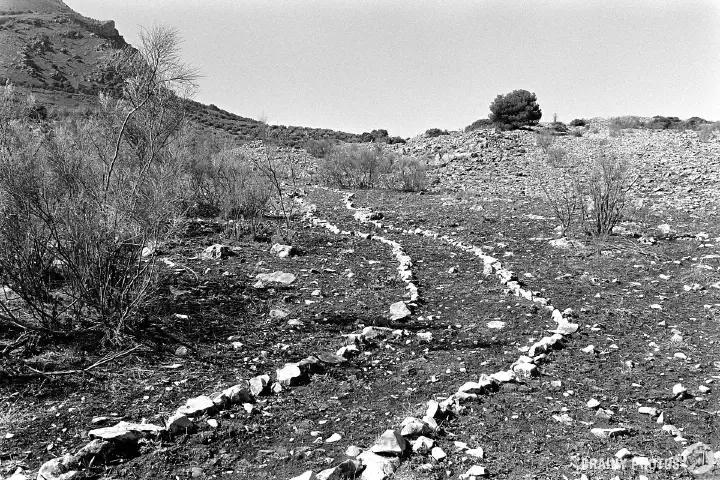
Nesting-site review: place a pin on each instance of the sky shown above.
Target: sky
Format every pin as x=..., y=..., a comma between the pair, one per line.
x=411, y=65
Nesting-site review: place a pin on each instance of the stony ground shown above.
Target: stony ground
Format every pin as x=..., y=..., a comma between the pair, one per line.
x=642, y=367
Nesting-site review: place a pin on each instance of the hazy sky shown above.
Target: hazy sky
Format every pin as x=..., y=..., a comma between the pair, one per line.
x=407, y=66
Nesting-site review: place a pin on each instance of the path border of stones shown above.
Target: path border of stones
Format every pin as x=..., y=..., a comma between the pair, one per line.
x=108, y=440
x=384, y=457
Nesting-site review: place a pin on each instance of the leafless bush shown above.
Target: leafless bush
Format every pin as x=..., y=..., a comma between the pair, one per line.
x=408, y=174
x=606, y=192
x=359, y=166
x=79, y=201
x=588, y=192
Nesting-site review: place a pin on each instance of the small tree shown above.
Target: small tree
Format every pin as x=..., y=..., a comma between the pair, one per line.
x=516, y=109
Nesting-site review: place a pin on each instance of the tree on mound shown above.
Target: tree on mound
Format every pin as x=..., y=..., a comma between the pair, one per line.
x=516, y=109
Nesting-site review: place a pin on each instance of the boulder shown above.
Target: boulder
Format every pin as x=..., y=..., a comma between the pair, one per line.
x=276, y=277
x=390, y=443
x=399, y=311
x=196, y=406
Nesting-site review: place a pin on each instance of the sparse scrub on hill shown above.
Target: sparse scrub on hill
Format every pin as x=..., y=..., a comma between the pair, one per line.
x=544, y=139
x=705, y=132
x=81, y=200
x=478, y=124
x=626, y=122
x=516, y=109
x=359, y=166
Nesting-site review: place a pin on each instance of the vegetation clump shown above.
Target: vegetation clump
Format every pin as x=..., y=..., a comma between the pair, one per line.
x=514, y=110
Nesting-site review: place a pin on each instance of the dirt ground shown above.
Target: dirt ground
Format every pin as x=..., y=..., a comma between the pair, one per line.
x=649, y=311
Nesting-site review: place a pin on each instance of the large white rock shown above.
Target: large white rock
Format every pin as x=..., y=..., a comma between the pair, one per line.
x=290, y=375
x=377, y=467
x=412, y=427
x=390, y=443
x=238, y=394
x=473, y=472
x=259, y=385
x=196, y=406
x=126, y=432
x=609, y=432
x=399, y=311
x=276, y=277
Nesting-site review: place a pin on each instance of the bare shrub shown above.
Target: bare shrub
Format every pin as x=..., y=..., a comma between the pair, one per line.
x=588, y=192
x=409, y=174
x=354, y=166
x=80, y=200
x=606, y=190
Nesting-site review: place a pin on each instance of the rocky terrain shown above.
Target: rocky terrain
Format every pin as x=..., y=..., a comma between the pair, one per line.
x=450, y=333
x=405, y=335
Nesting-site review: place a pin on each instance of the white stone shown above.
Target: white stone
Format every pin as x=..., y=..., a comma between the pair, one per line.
x=276, y=277
x=390, y=442
x=126, y=432
x=399, y=311
x=196, y=406
x=608, y=432
x=438, y=453
x=474, y=471
x=289, y=375
x=423, y=443
x=652, y=411
x=377, y=467
x=259, y=384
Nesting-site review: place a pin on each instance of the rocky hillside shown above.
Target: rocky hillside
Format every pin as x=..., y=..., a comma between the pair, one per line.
x=57, y=53
x=673, y=167
x=45, y=44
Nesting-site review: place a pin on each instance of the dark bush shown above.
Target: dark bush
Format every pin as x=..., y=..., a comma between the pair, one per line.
x=578, y=122
x=695, y=122
x=516, y=109
x=659, y=122
x=436, y=132
x=558, y=127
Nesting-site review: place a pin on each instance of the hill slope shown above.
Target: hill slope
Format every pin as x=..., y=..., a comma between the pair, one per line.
x=57, y=53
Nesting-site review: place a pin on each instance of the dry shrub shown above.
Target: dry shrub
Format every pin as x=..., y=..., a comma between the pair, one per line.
x=359, y=166
x=80, y=200
x=589, y=193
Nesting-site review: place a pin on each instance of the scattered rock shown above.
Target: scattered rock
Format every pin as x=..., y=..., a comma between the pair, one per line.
x=196, y=406
x=283, y=251
x=473, y=472
x=127, y=432
x=438, y=453
x=179, y=424
x=259, y=385
x=399, y=311
x=216, y=252
x=276, y=277
x=423, y=444
x=290, y=375
x=413, y=427
x=609, y=432
x=390, y=443
x=378, y=467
